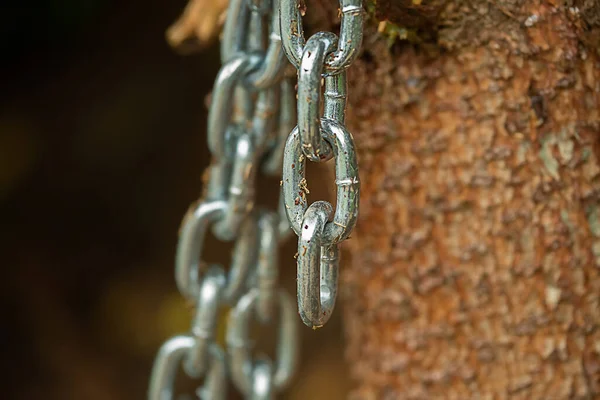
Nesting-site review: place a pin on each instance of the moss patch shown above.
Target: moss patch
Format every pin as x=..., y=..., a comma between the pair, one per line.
x=403, y=20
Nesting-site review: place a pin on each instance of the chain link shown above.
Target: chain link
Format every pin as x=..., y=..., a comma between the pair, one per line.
x=351, y=34
x=251, y=113
x=318, y=139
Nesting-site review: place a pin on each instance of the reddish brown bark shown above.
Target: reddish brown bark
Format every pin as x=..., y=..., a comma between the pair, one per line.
x=475, y=264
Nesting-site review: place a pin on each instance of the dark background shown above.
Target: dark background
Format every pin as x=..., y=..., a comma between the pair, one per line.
x=102, y=149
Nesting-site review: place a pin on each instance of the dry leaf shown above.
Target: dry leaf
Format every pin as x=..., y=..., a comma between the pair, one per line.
x=198, y=26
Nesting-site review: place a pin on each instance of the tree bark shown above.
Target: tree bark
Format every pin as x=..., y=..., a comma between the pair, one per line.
x=475, y=263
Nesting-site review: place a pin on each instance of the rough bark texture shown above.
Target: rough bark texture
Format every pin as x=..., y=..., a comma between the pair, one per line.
x=475, y=264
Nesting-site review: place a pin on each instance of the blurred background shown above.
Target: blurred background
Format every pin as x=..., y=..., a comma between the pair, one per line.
x=102, y=149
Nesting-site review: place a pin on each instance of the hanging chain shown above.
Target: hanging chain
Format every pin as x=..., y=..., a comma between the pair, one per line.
x=319, y=139
x=251, y=113
x=250, y=116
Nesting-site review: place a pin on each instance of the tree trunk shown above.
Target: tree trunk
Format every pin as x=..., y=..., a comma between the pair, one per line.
x=475, y=263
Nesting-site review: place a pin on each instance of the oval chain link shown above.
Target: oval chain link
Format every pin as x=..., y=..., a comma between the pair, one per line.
x=309, y=91
x=318, y=139
x=346, y=181
x=251, y=113
x=239, y=344
x=317, y=268
x=351, y=34
x=170, y=357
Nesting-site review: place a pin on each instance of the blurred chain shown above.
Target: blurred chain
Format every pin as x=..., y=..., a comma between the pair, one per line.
x=318, y=139
x=250, y=116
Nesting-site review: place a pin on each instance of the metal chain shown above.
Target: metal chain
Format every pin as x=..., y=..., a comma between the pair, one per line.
x=318, y=139
x=251, y=113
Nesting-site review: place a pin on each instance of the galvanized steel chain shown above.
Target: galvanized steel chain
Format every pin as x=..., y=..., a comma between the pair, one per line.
x=250, y=116
x=319, y=138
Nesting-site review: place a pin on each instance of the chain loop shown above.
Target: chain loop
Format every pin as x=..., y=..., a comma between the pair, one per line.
x=347, y=182
x=351, y=34
x=269, y=71
x=222, y=102
x=317, y=268
x=170, y=357
x=239, y=344
x=309, y=91
x=188, y=267
x=241, y=189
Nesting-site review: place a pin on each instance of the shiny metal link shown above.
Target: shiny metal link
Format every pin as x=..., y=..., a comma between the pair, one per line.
x=317, y=268
x=271, y=67
x=239, y=24
x=351, y=34
x=347, y=182
x=166, y=365
x=240, y=348
x=241, y=189
x=262, y=380
x=234, y=30
x=222, y=102
x=190, y=244
x=188, y=267
x=309, y=93
x=243, y=169
x=205, y=321
x=309, y=90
